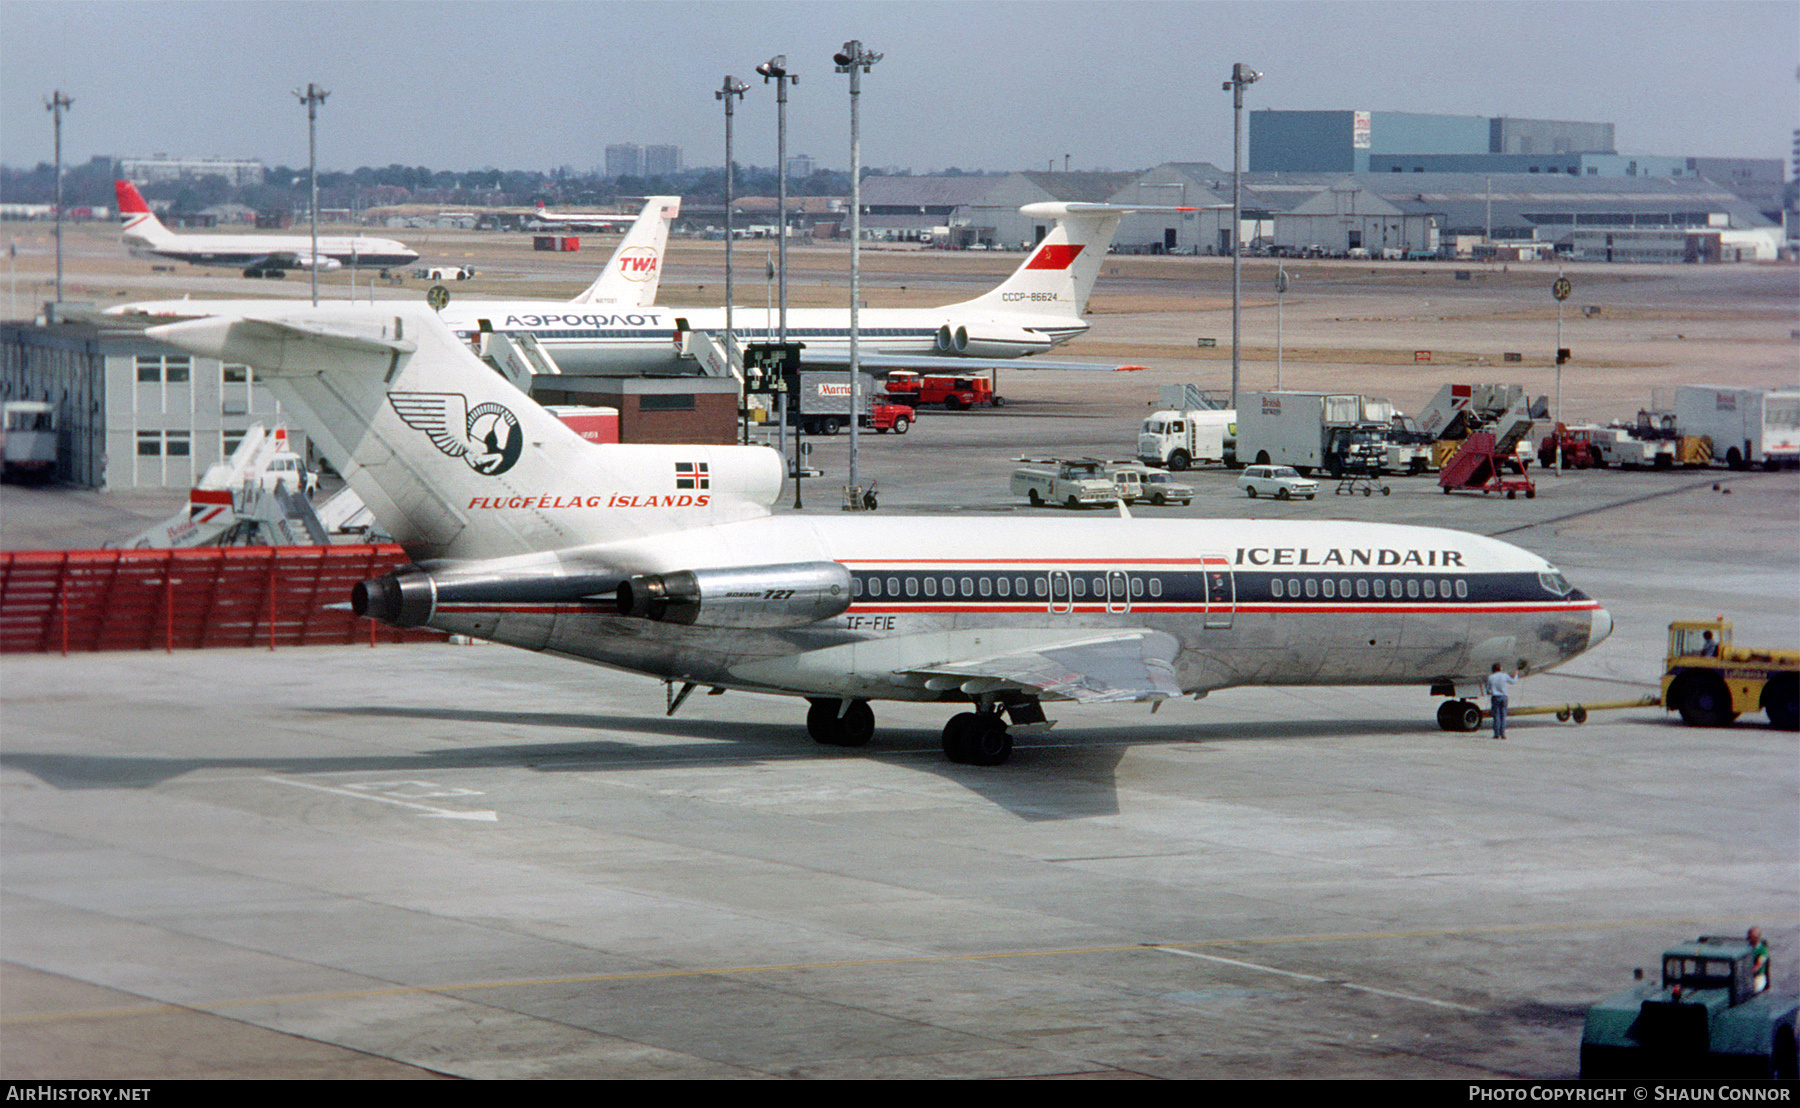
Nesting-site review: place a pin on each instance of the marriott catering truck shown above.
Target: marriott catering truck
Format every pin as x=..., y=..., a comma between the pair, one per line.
x=1747, y=426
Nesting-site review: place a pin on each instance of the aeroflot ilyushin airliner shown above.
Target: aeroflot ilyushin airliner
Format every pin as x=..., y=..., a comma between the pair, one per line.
x=667, y=561
x=257, y=255
x=1040, y=306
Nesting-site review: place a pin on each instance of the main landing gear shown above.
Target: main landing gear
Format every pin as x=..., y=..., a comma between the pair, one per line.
x=1459, y=715
x=977, y=738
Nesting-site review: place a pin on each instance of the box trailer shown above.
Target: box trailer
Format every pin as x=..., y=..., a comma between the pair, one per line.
x=1747, y=426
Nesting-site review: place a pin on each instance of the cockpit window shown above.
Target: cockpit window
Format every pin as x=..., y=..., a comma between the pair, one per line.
x=1554, y=581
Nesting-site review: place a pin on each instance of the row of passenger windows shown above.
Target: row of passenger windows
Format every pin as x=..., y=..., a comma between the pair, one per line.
x=1363, y=588
x=1020, y=588
x=1039, y=587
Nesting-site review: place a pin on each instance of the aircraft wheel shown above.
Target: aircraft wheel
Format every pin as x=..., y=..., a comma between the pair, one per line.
x=854, y=728
x=977, y=739
x=1459, y=715
x=1781, y=699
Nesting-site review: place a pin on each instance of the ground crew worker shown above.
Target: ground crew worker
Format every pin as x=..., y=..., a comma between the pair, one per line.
x=1498, y=683
x=1759, y=960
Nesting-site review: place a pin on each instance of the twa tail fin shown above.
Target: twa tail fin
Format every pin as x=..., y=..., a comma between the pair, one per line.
x=1058, y=275
x=454, y=461
x=140, y=223
x=630, y=277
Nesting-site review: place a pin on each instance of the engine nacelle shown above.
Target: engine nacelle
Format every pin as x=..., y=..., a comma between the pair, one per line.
x=752, y=596
x=404, y=597
x=409, y=596
x=991, y=340
x=319, y=262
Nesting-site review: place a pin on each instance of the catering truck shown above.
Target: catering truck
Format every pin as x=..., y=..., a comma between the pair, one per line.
x=1310, y=430
x=1747, y=426
x=822, y=405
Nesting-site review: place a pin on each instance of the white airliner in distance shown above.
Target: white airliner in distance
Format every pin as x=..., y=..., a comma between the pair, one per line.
x=258, y=255
x=628, y=280
x=668, y=561
x=1038, y=307
x=543, y=219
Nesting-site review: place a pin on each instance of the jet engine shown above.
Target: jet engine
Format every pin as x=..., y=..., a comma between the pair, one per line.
x=319, y=262
x=409, y=596
x=990, y=340
x=751, y=596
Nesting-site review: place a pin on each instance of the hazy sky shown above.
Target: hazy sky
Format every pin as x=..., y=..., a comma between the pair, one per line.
x=979, y=84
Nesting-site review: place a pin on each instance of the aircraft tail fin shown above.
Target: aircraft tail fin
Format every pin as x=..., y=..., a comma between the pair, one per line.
x=630, y=277
x=140, y=223
x=1058, y=275
x=452, y=459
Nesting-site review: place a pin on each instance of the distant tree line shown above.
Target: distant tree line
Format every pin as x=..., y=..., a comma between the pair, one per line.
x=284, y=188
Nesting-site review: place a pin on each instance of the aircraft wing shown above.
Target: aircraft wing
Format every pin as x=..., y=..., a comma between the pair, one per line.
x=927, y=363
x=1136, y=664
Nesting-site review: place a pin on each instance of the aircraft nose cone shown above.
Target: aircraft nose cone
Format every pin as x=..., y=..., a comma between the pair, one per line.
x=1601, y=627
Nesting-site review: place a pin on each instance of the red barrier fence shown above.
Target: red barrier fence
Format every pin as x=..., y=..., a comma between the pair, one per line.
x=85, y=600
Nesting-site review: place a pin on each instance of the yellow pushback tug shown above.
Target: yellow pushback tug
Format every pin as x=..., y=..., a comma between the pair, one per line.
x=1711, y=682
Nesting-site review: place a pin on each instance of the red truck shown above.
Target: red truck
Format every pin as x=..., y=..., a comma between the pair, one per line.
x=954, y=393
x=821, y=406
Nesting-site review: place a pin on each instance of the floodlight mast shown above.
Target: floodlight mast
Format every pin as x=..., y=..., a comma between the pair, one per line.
x=775, y=69
x=854, y=60
x=732, y=89
x=56, y=105
x=1241, y=75
x=313, y=96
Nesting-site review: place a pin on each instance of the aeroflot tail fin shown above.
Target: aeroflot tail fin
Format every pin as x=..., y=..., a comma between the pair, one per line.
x=630, y=277
x=455, y=462
x=139, y=221
x=1058, y=275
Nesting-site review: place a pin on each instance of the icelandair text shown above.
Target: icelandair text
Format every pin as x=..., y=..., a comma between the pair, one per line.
x=1307, y=556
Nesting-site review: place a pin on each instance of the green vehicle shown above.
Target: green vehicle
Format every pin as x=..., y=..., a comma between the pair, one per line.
x=1706, y=1018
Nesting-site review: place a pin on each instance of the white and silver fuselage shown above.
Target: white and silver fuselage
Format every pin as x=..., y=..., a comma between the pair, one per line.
x=1251, y=602
x=588, y=339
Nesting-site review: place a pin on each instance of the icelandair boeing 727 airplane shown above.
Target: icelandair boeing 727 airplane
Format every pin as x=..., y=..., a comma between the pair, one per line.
x=256, y=255
x=667, y=561
x=1040, y=306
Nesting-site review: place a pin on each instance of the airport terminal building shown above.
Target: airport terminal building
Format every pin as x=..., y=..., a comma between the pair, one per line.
x=1345, y=214
x=131, y=412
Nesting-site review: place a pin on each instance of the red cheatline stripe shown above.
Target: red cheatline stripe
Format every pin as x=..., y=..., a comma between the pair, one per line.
x=1514, y=607
x=901, y=566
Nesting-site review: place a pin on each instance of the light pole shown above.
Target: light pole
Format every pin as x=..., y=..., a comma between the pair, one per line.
x=1241, y=75
x=1281, y=287
x=312, y=96
x=56, y=105
x=775, y=69
x=854, y=60
x=732, y=90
